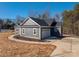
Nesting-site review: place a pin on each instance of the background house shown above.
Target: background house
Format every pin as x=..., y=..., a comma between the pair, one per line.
x=38, y=28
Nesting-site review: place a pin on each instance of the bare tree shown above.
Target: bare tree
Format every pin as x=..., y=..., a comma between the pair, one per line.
x=1, y=24
x=32, y=13
x=19, y=19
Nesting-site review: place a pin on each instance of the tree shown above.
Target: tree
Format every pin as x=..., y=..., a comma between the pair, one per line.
x=71, y=20
x=8, y=24
x=76, y=12
x=33, y=13
x=1, y=24
x=58, y=18
x=68, y=22
x=19, y=19
x=45, y=15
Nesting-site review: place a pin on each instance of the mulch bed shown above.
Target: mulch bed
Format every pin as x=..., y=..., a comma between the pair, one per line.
x=28, y=39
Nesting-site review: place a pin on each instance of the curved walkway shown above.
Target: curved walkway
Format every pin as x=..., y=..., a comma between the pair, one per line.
x=11, y=38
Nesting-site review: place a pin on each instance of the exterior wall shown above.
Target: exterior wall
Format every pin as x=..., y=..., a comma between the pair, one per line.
x=28, y=32
x=45, y=33
x=17, y=31
x=28, y=27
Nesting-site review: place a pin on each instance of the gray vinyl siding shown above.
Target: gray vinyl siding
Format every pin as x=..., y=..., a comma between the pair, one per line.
x=28, y=29
x=28, y=32
x=17, y=31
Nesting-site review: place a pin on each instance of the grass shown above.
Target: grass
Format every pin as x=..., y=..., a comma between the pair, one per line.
x=12, y=48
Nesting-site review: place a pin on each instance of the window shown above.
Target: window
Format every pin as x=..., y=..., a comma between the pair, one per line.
x=34, y=31
x=23, y=30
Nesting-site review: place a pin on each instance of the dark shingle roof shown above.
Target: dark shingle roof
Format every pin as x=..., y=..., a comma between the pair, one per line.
x=49, y=21
x=42, y=22
x=39, y=21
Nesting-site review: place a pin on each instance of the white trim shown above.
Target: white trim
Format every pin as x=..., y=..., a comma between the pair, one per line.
x=24, y=21
x=28, y=19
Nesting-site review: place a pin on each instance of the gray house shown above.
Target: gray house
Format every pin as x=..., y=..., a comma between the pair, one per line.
x=38, y=28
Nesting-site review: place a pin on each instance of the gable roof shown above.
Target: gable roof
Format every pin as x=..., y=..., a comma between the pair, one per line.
x=41, y=22
x=38, y=21
x=23, y=22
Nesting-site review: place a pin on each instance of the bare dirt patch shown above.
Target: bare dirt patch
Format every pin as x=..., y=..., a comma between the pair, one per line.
x=12, y=48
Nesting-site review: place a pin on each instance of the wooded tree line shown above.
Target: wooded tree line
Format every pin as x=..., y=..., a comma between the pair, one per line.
x=6, y=24
x=71, y=21
x=10, y=23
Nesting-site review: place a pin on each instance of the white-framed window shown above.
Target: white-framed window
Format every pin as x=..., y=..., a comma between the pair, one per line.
x=34, y=31
x=23, y=30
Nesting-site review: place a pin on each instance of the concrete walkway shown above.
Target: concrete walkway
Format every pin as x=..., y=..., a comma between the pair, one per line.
x=17, y=40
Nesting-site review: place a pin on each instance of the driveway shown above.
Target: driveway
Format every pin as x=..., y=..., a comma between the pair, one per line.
x=66, y=47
